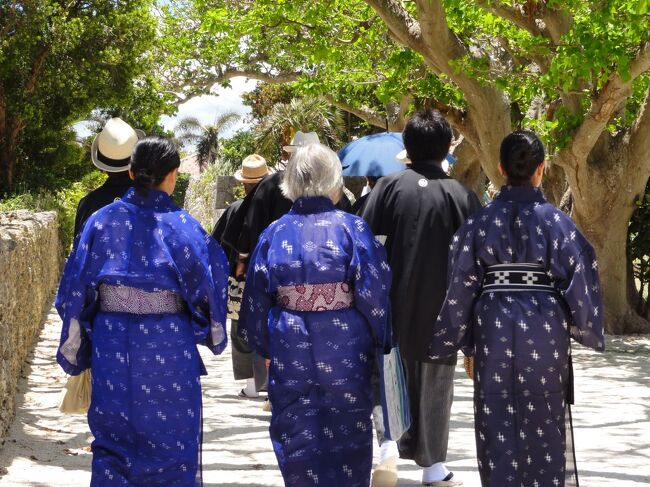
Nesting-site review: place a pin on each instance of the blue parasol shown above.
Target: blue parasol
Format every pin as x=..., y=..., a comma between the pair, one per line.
x=372, y=155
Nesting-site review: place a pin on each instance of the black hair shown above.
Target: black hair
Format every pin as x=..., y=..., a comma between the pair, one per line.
x=152, y=160
x=521, y=154
x=427, y=136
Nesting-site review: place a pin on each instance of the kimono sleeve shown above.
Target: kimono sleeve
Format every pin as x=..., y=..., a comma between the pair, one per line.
x=375, y=211
x=371, y=276
x=453, y=328
x=75, y=303
x=253, y=326
x=207, y=297
x=576, y=274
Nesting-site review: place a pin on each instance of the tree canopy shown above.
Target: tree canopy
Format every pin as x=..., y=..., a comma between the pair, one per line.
x=61, y=60
x=574, y=71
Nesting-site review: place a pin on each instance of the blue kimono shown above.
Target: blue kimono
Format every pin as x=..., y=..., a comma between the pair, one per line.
x=143, y=286
x=522, y=282
x=322, y=355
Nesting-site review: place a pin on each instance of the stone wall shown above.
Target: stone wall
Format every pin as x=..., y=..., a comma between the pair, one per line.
x=29, y=272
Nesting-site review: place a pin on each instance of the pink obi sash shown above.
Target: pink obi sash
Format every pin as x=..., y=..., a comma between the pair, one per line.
x=316, y=297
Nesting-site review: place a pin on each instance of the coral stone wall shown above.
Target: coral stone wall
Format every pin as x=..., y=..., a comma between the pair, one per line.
x=29, y=272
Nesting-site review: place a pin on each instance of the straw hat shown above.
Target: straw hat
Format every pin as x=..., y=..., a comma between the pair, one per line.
x=300, y=139
x=111, y=150
x=253, y=169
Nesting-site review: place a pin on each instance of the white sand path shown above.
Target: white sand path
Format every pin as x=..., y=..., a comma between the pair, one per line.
x=612, y=421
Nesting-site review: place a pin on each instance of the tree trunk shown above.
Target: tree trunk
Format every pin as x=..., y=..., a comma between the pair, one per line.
x=8, y=151
x=467, y=168
x=602, y=208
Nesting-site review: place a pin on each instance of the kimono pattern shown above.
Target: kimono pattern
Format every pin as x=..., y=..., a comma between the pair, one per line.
x=145, y=411
x=321, y=361
x=521, y=337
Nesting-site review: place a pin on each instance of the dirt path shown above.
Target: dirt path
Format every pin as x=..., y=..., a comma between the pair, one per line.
x=45, y=448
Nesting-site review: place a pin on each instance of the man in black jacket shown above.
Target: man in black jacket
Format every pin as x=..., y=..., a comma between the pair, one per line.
x=111, y=152
x=418, y=210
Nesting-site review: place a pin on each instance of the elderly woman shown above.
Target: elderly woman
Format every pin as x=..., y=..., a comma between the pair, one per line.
x=143, y=286
x=316, y=304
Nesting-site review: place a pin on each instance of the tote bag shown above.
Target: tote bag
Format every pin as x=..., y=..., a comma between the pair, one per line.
x=394, y=395
x=76, y=394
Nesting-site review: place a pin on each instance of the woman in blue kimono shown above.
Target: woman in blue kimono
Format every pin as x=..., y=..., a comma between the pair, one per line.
x=316, y=304
x=143, y=286
x=523, y=281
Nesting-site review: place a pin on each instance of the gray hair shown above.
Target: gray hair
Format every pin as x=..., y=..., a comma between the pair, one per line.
x=312, y=170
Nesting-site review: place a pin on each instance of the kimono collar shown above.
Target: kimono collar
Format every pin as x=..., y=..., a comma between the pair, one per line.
x=312, y=204
x=428, y=169
x=158, y=200
x=118, y=179
x=520, y=194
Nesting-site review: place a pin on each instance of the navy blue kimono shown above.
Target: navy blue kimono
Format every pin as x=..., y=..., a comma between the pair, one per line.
x=517, y=321
x=143, y=253
x=321, y=360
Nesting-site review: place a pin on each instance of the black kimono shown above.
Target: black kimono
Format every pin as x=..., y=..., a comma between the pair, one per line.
x=264, y=205
x=113, y=189
x=419, y=210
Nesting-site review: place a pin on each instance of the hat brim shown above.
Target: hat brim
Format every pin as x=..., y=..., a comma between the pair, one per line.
x=238, y=176
x=403, y=157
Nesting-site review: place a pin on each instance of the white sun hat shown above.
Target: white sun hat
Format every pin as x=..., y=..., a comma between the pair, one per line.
x=112, y=148
x=300, y=139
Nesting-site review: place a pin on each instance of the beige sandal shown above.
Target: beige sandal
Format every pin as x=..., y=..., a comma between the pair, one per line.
x=385, y=475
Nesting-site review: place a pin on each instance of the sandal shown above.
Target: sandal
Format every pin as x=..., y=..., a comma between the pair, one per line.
x=446, y=482
x=242, y=393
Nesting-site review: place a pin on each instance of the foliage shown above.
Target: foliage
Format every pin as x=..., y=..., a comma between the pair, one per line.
x=205, y=137
x=182, y=182
x=264, y=97
x=638, y=248
x=234, y=150
x=64, y=201
x=307, y=114
x=59, y=61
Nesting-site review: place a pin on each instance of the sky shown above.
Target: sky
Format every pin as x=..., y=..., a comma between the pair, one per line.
x=206, y=107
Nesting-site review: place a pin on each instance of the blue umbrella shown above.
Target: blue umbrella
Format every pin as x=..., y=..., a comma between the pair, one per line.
x=372, y=155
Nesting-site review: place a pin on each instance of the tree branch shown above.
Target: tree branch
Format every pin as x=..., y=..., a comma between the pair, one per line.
x=366, y=114
x=514, y=14
x=640, y=137
x=603, y=106
x=403, y=27
x=194, y=87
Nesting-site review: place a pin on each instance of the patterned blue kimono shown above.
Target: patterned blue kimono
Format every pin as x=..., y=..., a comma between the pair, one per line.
x=143, y=253
x=519, y=331
x=321, y=361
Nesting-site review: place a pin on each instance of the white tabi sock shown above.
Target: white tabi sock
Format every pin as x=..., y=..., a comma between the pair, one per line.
x=250, y=390
x=435, y=472
x=388, y=449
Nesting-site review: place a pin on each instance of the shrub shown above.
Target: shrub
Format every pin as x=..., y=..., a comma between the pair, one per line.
x=64, y=201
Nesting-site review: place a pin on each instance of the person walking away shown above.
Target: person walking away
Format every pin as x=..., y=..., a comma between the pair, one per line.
x=418, y=210
x=247, y=365
x=316, y=304
x=143, y=286
x=111, y=153
x=523, y=281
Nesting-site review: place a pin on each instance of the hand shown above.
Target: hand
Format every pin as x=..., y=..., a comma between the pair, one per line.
x=469, y=367
x=240, y=270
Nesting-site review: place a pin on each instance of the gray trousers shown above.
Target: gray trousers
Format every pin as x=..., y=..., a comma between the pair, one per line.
x=431, y=392
x=246, y=364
